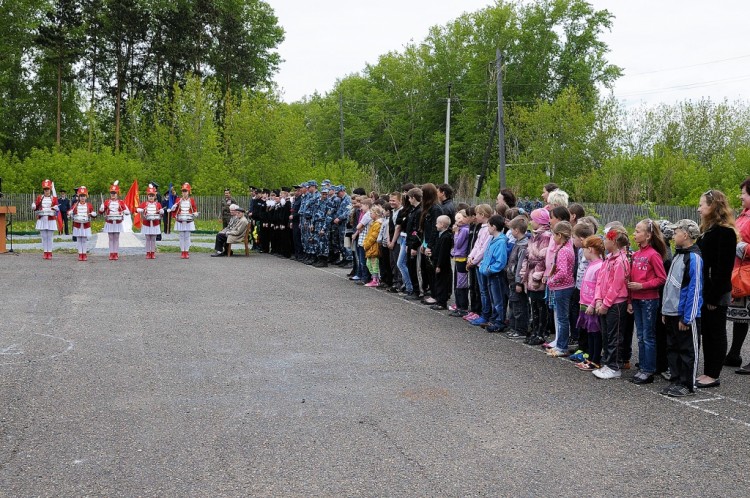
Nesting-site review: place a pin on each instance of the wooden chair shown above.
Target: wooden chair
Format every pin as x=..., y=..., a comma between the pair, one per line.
x=228, y=246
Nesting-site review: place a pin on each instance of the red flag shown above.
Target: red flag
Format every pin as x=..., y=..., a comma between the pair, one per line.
x=132, y=202
x=60, y=224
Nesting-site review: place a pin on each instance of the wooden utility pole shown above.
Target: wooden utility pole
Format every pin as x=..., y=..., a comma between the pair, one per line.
x=447, y=135
x=341, y=122
x=500, y=126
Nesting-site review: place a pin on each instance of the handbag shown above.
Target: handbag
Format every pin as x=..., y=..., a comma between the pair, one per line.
x=741, y=279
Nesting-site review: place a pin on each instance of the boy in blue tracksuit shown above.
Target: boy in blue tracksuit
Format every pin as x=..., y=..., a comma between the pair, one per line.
x=493, y=268
x=681, y=309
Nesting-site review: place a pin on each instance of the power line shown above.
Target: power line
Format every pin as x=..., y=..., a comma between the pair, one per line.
x=717, y=61
x=687, y=86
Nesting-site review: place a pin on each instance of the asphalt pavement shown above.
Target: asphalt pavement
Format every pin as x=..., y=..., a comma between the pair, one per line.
x=263, y=377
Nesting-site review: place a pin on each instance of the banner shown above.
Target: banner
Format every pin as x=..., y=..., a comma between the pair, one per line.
x=132, y=201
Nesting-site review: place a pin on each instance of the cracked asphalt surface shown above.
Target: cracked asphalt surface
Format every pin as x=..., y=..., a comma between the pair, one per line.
x=260, y=376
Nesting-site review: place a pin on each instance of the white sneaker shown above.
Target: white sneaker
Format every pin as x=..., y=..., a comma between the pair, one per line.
x=607, y=373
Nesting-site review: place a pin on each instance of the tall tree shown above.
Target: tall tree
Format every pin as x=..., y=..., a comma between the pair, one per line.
x=61, y=38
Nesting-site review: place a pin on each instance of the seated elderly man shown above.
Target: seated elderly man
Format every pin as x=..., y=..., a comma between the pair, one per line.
x=233, y=233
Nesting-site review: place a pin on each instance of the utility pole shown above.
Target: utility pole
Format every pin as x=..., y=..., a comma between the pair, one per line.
x=500, y=127
x=341, y=121
x=447, y=135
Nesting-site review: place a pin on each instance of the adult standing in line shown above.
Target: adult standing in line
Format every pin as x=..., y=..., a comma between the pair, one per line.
x=226, y=213
x=300, y=190
x=445, y=196
x=546, y=190
x=46, y=209
x=341, y=217
x=63, y=204
x=717, y=243
x=431, y=209
x=738, y=312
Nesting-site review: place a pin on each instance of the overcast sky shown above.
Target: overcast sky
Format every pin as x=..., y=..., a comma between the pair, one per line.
x=653, y=40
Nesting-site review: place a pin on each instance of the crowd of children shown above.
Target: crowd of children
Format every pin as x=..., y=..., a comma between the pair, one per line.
x=551, y=277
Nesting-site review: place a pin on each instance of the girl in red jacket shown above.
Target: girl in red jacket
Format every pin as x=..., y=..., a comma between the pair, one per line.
x=46, y=209
x=611, y=300
x=647, y=275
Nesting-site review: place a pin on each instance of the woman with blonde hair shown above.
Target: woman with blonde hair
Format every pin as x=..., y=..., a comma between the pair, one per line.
x=717, y=243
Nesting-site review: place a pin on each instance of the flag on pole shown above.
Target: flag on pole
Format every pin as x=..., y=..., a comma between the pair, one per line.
x=171, y=198
x=59, y=214
x=132, y=202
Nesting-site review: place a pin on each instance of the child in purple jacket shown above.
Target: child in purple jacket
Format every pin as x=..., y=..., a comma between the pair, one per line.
x=459, y=253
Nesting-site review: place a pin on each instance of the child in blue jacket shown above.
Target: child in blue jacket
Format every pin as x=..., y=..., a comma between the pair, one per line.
x=681, y=308
x=493, y=267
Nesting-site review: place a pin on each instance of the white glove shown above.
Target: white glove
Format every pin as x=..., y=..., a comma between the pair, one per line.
x=740, y=251
x=195, y=215
x=33, y=206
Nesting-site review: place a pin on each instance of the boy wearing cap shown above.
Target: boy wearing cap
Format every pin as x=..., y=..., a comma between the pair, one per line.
x=681, y=309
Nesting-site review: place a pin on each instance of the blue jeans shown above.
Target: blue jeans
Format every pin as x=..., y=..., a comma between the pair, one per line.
x=402, y=266
x=498, y=294
x=484, y=295
x=561, y=298
x=645, y=312
x=362, y=271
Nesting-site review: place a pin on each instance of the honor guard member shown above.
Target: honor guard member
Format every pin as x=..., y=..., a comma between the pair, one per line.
x=285, y=238
x=339, y=223
x=266, y=215
x=46, y=209
x=312, y=207
x=225, y=212
x=334, y=250
x=321, y=228
x=82, y=211
x=185, y=211
x=300, y=191
x=63, y=203
x=151, y=212
x=255, y=209
x=274, y=220
x=114, y=210
x=304, y=240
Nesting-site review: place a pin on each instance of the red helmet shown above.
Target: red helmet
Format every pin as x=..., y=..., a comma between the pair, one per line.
x=186, y=186
x=47, y=184
x=151, y=191
x=83, y=190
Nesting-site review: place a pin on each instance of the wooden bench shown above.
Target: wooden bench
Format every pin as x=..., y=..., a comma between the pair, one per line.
x=228, y=246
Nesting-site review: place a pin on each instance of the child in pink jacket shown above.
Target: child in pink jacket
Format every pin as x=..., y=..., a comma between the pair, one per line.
x=536, y=255
x=560, y=284
x=611, y=298
x=588, y=322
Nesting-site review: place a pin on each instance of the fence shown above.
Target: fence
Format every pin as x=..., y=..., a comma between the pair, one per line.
x=210, y=207
x=627, y=214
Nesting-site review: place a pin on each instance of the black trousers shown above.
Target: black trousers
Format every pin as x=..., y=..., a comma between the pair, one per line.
x=443, y=283
x=539, y=313
x=661, y=345
x=428, y=275
x=682, y=351
x=221, y=240
x=384, y=260
x=65, y=223
x=613, y=326
x=714, y=338
x=474, y=297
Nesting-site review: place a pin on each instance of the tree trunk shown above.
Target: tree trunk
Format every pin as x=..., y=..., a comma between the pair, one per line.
x=59, y=102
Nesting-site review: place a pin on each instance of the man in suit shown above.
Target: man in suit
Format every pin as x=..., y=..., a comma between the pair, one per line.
x=64, y=204
x=234, y=233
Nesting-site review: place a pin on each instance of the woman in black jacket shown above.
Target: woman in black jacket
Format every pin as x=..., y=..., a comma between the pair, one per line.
x=717, y=244
x=430, y=211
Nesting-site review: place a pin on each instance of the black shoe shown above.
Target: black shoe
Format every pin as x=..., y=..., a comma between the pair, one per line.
x=412, y=297
x=743, y=370
x=535, y=340
x=701, y=385
x=392, y=290
x=642, y=379
x=438, y=307
x=733, y=360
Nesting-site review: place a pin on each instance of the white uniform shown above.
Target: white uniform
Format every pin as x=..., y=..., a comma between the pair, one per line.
x=150, y=210
x=43, y=222
x=183, y=206
x=82, y=209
